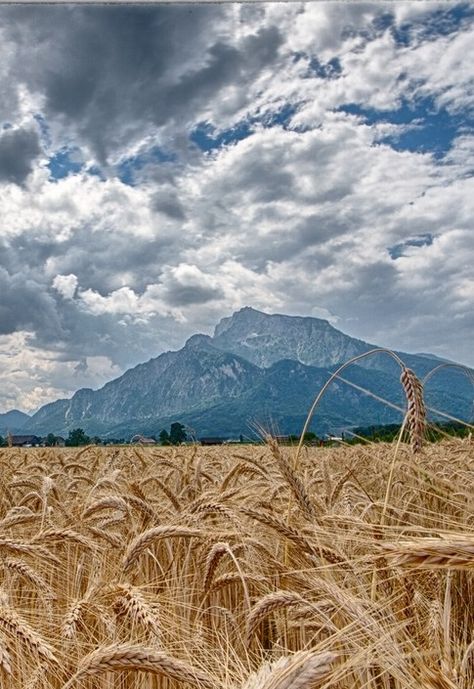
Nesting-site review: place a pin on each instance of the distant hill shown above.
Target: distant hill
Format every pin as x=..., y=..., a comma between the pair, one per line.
x=257, y=368
x=12, y=421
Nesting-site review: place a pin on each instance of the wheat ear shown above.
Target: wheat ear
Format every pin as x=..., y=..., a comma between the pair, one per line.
x=433, y=553
x=416, y=412
x=292, y=479
x=147, y=538
x=13, y=624
x=116, y=658
x=131, y=602
x=268, y=604
x=5, y=659
x=303, y=669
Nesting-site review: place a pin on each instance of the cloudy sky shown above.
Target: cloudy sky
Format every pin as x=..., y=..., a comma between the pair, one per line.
x=163, y=166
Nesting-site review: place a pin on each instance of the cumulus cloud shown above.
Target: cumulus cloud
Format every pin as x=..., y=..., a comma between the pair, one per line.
x=297, y=206
x=18, y=150
x=66, y=285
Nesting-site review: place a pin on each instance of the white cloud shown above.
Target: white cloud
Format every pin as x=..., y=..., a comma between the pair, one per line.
x=297, y=218
x=66, y=285
x=32, y=376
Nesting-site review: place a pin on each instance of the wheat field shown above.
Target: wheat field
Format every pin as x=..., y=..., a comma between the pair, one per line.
x=231, y=566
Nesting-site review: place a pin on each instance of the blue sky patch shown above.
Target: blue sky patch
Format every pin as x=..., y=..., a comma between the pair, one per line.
x=433, y=131
x=62, y=163
x=441, y=22
x=128, y=168
x=207, y=138
x=44, y=130
x=324, y=70
x=95, y=171
x=420, y=240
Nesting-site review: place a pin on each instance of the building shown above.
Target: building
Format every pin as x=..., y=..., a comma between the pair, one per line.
x=25, y=441
x=142, y=440
x=212, y=441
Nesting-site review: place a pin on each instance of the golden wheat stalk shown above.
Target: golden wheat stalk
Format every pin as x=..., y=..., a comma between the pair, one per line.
x=157, y=533
x=5, y=659
x=457, y=553
x=212, y=560
x=268, y=604
x=131, y=602
x=292, y=479
x=120, y=657
x=13, y=624
x=71, y=619
x=28, y=573
x=299, y=671
x=416, y=412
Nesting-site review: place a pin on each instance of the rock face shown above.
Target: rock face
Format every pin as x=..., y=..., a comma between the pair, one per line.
x=193, y=378
x=257, y=368
x=265, y=339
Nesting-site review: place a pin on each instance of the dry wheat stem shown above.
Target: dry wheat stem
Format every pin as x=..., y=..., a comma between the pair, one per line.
x=117, y=658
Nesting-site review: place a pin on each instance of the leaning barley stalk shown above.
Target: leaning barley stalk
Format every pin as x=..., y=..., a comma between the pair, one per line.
x=28, y=573
x=111, y=502
x=60, y=536
x=131, y=602
x=433, y=553
x=303, y=669
x=5, y=659
x=117, y=658
x=292, y=479
x=416, y=412
x=26, y=548
x=268, y=604
x=157, y=533
x=13, y=624
x=212, y=560
x=72, y=618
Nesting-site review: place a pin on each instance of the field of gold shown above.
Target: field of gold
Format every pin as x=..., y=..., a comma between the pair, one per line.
x=231, y=567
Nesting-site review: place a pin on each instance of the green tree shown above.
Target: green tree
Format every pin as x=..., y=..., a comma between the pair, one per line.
x=51, y=440
x=77, y=437
x=177, y=433
x=164, y=437
x=3, y=442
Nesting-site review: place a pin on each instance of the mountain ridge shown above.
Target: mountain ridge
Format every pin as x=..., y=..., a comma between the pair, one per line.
x=241, y=368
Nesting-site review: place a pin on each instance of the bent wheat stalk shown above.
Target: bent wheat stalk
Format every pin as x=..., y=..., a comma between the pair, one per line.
x=117, y=657
x=416, y=412
x=303, y=669
x=433, y=553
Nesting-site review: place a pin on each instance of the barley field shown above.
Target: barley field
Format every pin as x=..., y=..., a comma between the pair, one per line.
x=235, y=566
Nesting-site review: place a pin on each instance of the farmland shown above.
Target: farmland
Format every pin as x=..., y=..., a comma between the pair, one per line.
x=230, y=566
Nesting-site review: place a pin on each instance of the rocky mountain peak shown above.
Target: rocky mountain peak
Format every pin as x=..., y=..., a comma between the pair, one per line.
x=198, y=341
x=265, y=339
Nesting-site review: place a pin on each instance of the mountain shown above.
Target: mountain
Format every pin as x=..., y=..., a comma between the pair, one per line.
x=257, y=368
x=265, y=339
x=12, y=421
x=193, y=378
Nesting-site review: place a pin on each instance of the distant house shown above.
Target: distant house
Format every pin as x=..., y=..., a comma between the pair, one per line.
x=142, y=440
x=282, y=439
x=25, y=441
x=212, y=441
x=60, y=442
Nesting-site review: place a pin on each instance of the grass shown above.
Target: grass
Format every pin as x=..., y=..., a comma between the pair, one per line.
x=235, y=567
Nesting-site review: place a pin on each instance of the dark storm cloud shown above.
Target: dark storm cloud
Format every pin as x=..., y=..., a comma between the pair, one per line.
x=187, y=295
x=127, y=68
x=25, y=305
x=168, y=203
x=18, y=150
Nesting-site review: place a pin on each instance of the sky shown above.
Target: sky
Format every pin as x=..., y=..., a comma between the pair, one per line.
x=163, y=166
